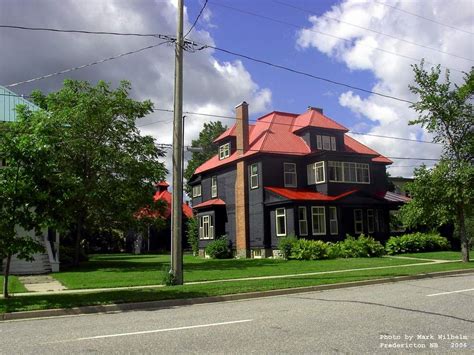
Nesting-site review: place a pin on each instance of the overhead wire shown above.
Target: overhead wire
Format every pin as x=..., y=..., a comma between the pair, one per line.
x=87, y=65
x=196, y=20
x=422, y=17
x=325, y=34
x=372, y=30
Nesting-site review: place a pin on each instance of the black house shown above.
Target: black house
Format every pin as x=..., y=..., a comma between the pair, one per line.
x=290, y=174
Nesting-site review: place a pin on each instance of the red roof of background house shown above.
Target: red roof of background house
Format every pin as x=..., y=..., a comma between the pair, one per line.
x=305, y=194
x=274, y=134
x=164, y=195
x=392, y=197
x=213, y=202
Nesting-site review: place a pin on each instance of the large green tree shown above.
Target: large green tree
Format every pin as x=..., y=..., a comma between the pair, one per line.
x=101, y=170
x=209, y=133
x=445, y=193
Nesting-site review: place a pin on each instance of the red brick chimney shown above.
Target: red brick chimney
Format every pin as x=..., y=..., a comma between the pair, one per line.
x=241, y=183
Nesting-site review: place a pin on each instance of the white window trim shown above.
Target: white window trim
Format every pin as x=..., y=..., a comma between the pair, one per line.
x=214, y=186
x=197, y=188
x=252, y=186
x=305, y=220
x=369, y=229
x=206, y=220
x=336, y=232
x=282, y=233
x=314, y=213
x=317, y=165
x=292, y=173
x=344, y=181
x=224, y=151
x=361, y=221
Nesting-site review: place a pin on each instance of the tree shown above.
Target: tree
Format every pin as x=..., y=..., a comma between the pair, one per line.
x=445, y=193
x=101, y=170
x=209, y=133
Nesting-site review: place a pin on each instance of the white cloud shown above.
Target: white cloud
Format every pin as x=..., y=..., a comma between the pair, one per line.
x=393, y=73
x=210, y=85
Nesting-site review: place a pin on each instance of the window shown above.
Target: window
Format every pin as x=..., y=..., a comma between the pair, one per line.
x=358, y=222
x=280, y=218
x=316, y=173
x=333, y=227
x=214, y=186
x=289, y=174
x=319, y=220
x=378, y=223
x=303, y=220
x=206, y=227
x=335, y=171
x=333, y=143
x=370, y=221
x=325, y=142
x=197, y=190
x=348, y=172
x=224, y=151
x=254, y=176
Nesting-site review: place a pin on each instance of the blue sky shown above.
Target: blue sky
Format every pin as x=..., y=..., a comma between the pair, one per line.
x=378, y=39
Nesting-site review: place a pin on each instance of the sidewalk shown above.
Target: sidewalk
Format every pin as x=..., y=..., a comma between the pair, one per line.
x=91, y=290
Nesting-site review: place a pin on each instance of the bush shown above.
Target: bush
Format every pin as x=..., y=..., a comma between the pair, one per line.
x=192, y=233
x=362, y=247
x=309, y=250
x=286, y=245
x=416, y=242
x=167, y=278
x=219, y=248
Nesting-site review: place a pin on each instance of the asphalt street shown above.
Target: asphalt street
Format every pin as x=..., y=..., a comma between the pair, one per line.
x=431, y=315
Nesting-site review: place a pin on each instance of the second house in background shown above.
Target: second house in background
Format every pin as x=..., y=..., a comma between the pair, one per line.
x=290, y=174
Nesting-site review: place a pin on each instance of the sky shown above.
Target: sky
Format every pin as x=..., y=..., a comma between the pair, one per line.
x=365, y=44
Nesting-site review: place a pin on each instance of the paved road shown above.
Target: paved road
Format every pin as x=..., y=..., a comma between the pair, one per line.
x=366, y=319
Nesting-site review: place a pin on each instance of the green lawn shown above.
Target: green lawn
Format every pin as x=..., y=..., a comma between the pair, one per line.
x=26, y=303
x=103, y=271
x=439, y=255
x=14, y=286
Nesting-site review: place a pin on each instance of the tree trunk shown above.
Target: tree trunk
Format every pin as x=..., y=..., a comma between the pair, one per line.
x=6, y=275
x=463, y=235
x=77, y=246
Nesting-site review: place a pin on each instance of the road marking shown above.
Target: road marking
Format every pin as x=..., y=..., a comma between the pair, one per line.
x=153, y=331
x=447, y=293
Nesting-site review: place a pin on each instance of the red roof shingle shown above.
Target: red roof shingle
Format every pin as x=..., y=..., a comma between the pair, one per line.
x=305, y=194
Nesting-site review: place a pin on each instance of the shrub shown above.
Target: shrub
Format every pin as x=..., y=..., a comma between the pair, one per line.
x=219, y=248
x=416, y=242
x=309, y=250
x=167, y=278
x=192, y=233
x=362, y=247
x=286, y=245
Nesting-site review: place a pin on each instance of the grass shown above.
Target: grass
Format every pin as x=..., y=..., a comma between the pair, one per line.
x=14, y=285
x=118, y=270
x=439, y=255
x=28, y=303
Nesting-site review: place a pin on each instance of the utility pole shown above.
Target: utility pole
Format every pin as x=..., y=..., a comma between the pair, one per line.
x=177, y=199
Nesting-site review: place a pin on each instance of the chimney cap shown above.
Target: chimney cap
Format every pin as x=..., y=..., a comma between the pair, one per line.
x=243, y=103
x=319, y=109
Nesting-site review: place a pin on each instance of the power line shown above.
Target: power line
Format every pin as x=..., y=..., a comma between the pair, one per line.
x=422, y=17
x=48, y=29
x=261, y=61
x=326, y=34
x=87, y=65
x=197, y=18
x=371, y=30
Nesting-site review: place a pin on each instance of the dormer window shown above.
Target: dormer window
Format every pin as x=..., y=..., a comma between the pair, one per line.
x=224, y=151
x=325, y=142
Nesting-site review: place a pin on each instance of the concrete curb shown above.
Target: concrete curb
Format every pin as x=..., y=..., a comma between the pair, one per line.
x=154, y=305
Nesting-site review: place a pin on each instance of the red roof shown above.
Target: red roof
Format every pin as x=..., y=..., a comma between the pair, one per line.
x=165, y=195
x=305, y=194
x=392, y=197
x=274, y=133
x=213, y=202
x=314, y=118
